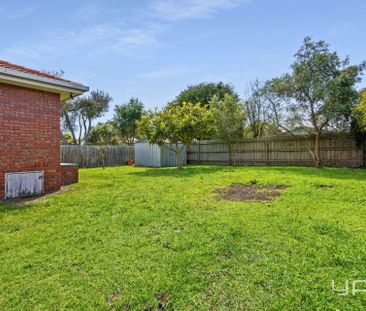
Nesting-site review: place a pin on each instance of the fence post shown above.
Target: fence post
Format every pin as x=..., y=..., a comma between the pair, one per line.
x=267, y=153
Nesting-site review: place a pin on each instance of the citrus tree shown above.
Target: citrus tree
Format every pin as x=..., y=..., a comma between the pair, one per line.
x=360, y=111
x=175, y=125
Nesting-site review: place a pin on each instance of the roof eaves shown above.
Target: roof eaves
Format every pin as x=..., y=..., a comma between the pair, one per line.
x=46, y=80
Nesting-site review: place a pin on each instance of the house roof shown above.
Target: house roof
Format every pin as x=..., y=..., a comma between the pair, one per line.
x=31, y=78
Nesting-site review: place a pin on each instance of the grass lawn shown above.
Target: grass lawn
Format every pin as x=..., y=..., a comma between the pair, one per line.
x=137, y=238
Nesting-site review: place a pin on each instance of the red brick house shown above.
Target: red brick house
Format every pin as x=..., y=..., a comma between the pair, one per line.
x=30, y=130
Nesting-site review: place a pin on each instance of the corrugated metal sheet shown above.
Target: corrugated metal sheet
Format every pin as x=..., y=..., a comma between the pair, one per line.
x=147, y=154
x=24, y=184
x=155, y=156
x=168, y=156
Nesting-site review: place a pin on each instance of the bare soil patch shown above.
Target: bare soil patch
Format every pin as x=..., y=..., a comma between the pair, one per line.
x=111, y=298
x=251, y=192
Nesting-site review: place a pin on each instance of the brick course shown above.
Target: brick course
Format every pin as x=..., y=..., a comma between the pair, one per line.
x=29, y=134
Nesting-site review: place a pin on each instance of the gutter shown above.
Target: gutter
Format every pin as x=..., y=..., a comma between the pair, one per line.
x=64, y=88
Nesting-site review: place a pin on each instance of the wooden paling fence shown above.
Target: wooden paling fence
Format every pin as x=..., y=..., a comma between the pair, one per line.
x=335, y=151
x=97, y=156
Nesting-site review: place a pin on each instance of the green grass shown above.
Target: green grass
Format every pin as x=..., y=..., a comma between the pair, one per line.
x=135, y=238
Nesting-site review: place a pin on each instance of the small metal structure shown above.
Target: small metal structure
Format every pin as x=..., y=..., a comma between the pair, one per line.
x=24, y=184
x=151, y=155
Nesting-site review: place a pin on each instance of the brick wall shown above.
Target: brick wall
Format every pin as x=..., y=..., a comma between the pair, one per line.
x=69, y=174
x=30, y=134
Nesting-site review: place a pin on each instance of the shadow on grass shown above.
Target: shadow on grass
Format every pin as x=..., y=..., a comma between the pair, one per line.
x=25, y=203
x=333, y=173
x=192, y=170
x=187, y=171
x=19, y=204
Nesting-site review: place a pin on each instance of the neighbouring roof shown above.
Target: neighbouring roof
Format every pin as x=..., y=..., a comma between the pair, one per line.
x=27, y=77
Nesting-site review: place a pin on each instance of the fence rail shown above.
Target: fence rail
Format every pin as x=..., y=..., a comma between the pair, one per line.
x=335, y=151
x=97, y=156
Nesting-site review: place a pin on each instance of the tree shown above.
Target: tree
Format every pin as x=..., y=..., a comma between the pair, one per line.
x=319, y=90
x=125, y=117
x=229, y=120
x=66, y=139
x=103, y=134
x=360, y=111
x=177, y=125
x=358, y=125
x=68, y=121
x=202, y=93
x=256, y=110
x=78, y=114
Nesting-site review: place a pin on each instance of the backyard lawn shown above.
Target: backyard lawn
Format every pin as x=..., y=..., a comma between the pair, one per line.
x=132, y=238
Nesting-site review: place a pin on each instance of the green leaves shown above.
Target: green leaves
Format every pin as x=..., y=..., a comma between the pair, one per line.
x=103, y=134
x=320, y=90
x=360, y=111
x=203, y=93
x=177, y=124
x=229, y=118
x=94, y=105
x=78, y=114
x=125, y=117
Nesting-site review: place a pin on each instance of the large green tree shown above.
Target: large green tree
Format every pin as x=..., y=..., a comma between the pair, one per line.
x=229, y=117
x=125, y=118
x=358, y=125
x=103, y=134
x=202, y=93
x=175, y=125
x=256, y=111
x=360, y=111
x=78, y=114
x=319, y=91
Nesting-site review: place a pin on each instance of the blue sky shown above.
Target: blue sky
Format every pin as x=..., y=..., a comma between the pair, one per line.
x=153, y=49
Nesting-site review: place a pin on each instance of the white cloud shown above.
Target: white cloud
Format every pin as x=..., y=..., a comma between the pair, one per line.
x=109, y=37
x=92, y=41
x=166, y=73
x=173, y=10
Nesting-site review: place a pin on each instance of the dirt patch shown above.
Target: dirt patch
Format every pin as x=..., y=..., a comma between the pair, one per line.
x=251, y=192
x=111, y=298
x=163, y=303
x=323, y=186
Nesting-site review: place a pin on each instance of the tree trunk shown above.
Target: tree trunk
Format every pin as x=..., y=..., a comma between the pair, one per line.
x=317, y=151
x=87, y=131
x=70, y=127
x=177, y=156
x=230, y=155
x=80, y=130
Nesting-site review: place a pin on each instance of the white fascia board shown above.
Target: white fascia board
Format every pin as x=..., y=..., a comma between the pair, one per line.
x=66, y=89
